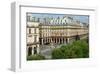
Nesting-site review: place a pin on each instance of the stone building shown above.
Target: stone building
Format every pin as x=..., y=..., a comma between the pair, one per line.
x=53, y=30
x=59, y=34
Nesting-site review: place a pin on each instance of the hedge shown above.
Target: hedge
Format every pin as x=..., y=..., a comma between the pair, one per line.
x=35, y=57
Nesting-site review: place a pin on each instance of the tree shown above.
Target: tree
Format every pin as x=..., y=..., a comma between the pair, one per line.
x=77, y=49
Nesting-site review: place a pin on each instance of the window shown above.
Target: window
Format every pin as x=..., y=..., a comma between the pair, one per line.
x=35, y=30
x=28, y=18
x=29, y=31
x=35, y=38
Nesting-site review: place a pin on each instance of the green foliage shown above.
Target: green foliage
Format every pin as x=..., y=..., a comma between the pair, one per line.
x=77, y=49
x=57, y=54
x=35, y=57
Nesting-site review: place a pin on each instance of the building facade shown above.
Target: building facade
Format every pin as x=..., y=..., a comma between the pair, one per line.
x=59, y=34
x=32, y=38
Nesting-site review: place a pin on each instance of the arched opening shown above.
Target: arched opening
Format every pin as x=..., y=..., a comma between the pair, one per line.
x=29, y=51
x=57, y=40
x=66, y=41
x=40, y=40
x=35, y=50
x=60, y=41
x=77, y=37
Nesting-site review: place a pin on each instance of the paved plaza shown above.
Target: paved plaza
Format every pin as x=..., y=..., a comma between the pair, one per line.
x=46, y=50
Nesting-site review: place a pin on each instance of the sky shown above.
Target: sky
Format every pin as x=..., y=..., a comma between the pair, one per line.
x=81, y=18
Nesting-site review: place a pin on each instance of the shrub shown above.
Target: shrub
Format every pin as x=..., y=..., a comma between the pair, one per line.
x=57, y=54
x=35, y=57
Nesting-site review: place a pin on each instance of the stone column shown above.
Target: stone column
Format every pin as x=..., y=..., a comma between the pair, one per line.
x=38, y=50
x=59, y=40
x=45, y=40
x=42, y=41
x=67, y=40
x=56, y=40
x=64, y=40
x=51, y=39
